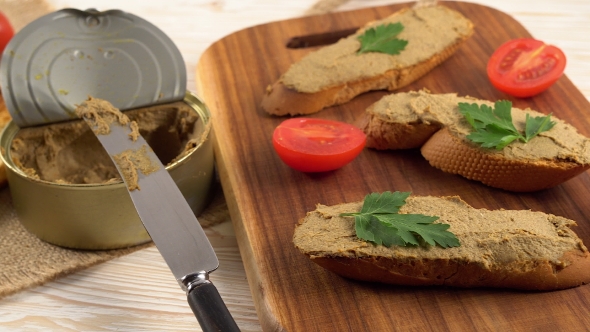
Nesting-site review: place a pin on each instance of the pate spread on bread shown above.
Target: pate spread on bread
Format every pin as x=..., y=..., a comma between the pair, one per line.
x=434, y=123
x=518, y=249
x=335, y=74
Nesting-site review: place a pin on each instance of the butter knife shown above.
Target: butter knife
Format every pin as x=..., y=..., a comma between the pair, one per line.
x=168, y=219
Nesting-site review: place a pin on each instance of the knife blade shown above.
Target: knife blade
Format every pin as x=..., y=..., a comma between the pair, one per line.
x=166, y=216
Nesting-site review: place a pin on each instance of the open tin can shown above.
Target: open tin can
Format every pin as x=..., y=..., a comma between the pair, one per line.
x=58, y=61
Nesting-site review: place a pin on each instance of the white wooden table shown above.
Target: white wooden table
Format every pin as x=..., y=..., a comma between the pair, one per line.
x=137, y=292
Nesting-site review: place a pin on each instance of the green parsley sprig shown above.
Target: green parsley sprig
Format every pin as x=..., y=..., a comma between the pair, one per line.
x=383, y=39
x=379, y=222
x=493, y=127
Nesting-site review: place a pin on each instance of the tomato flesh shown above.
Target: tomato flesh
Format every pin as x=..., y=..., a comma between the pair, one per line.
x=317, y=145
x=6, y=31
x=525, y=67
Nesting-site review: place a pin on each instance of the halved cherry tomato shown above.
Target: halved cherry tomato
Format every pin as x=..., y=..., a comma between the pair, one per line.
x=317, y=145
x=6, y=31
x=525, y=67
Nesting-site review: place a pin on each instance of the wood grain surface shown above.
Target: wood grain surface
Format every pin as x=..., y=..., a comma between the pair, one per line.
x=266, y=198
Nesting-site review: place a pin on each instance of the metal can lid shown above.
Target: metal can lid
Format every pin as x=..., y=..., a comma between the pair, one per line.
x=58, y=60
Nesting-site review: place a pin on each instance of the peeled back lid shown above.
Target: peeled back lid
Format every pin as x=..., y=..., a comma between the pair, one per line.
x=57, y=61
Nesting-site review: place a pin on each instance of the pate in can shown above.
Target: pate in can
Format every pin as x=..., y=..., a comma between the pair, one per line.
x=65, y=202
x=64, y=186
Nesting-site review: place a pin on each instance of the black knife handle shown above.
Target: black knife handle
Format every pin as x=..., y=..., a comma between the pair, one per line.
x=210, y=310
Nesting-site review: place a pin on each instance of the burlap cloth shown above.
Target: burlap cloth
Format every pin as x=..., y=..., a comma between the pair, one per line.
x=26, y=261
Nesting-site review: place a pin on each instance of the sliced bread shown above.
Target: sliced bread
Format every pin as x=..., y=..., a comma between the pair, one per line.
x=518, y=249
x=335, y=74
x=434, y=123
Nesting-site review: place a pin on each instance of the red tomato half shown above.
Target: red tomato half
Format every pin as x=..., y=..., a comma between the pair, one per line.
x=317, y=145
x=525, y=67
x=6, y=31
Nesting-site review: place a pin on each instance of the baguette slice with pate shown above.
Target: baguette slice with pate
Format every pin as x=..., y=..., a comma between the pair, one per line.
x=433, y=123
x=335, y=74
x=517, y=249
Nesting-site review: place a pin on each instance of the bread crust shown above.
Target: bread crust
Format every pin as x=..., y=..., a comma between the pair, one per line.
x=456, y=273
x=281, y=100
x=457, y=156
x=383, y=135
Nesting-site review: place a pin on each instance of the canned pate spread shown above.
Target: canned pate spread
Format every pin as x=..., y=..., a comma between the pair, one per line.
x=64, y=186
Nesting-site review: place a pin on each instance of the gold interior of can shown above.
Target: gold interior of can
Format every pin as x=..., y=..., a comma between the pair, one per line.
x=75, y=212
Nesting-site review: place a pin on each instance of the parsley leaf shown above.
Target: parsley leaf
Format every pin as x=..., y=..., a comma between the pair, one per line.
x=536, y=125
x=383, y=39
x=379, y=222
x=493, y=127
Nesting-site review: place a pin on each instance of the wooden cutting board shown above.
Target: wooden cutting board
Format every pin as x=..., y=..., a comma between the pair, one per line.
x=266, y=198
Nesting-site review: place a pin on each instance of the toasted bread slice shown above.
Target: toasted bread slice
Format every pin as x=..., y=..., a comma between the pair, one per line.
x=501, y=248
x=433, y=123
x=335, y=74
